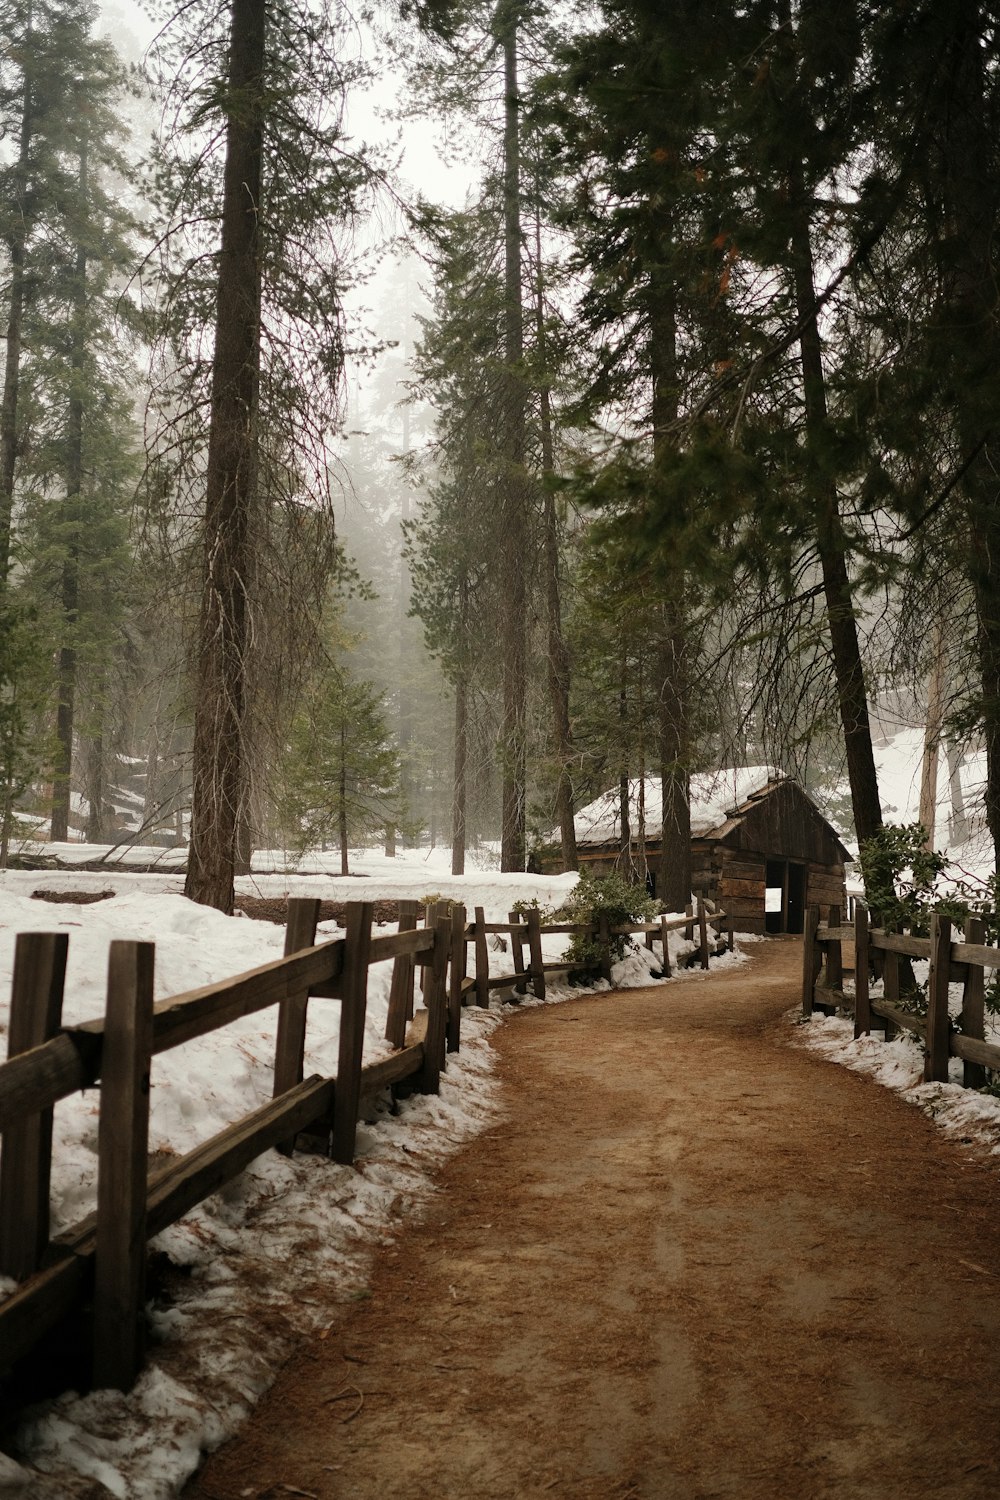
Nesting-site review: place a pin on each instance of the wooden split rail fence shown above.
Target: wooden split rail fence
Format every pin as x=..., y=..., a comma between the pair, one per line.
x=101, y=1262
x=962, y=960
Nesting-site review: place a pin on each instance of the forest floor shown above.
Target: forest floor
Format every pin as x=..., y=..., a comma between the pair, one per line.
x=690, y=1261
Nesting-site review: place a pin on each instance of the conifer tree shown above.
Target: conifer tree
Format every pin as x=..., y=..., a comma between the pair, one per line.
x=341, y=771
x=70, y=387
x=253, y=341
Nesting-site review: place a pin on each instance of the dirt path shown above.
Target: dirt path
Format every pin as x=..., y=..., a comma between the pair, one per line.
x=691, y=1262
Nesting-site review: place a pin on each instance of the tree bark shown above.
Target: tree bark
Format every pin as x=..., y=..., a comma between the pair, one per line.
x=831, y=545
x=218, y=760
x=461, y=779
x=932, y=737
x=342, y=802
x=97, y=831
x=558, y=655
x=70, y=584
x=461, y=775
x=971, y=324
x=673, y=726
x=675, y=858
x=514, y=531
x=624, y=820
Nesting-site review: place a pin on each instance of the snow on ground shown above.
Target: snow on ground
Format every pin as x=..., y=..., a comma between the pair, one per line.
x=898, y=764
x=265, y=1257
x=971, y=1116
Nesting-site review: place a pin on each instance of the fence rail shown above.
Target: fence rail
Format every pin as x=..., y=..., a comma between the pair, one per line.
x=102, y=1259
x=963, y=961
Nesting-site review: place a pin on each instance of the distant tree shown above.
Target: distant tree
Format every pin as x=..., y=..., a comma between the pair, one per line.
x=24, y=685
x=70, y=382
x=341, y=772
x=46, y=42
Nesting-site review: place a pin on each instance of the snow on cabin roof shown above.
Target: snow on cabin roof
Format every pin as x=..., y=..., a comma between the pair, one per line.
x=715, y=796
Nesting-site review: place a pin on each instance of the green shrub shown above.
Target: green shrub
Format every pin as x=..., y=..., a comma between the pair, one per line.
x=612, y=897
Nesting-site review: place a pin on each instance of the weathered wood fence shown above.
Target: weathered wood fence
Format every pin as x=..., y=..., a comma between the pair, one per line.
x=101, y=1262
x=961, y=961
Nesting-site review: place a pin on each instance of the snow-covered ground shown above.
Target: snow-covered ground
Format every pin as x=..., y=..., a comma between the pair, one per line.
x=267, y=1256
x=971, y=1116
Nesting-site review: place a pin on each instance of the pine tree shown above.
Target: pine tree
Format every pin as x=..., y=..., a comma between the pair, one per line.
x=253, y=336
x=341, y=772
x=930, y=200
x=71, y=385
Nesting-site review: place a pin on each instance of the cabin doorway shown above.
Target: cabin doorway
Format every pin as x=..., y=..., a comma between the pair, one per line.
x=784, y=895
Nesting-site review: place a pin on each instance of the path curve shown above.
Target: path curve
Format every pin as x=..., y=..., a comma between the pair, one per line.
x=690, y=1262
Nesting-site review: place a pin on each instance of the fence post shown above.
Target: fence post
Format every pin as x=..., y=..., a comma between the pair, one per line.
x=812, y=958
x=862, y=994
x=834, y=954
x=535, y=952
x=517, y=952
x=122, y=1149
x=703, y=932
x=973, y=1004
x=667, y=972
x=604, y=943
x=429, y=1078
x=482, y=961
x=730, y=934
x=457, y=974
x=401, y=988
x=430, y=922
x=938, y=1024
x=290, y=1040
x=890, y=987
x=353, y=1001
x=689, y=929
x=26, y=1163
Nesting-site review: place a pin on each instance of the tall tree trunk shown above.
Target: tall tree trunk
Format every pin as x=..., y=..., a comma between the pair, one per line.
x=403, y=735
x=932, y=737
x=958, y=822
x=831, y=545
x=459, y=798
x=342, y=802
x=558, y=655
x=97, y=829
x=514, y=530
x=70, y=584
x=150, y=810
x=16, y=247
x=675, y=858
x=673, y=672
x=970, y=319
x=217, y=763
x=461, y=780
x=624, y=820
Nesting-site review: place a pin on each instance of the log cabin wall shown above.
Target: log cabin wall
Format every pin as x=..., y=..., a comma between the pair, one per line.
x=729, y=863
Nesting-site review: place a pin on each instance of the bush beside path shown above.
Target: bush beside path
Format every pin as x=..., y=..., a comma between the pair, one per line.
x=689, y=1262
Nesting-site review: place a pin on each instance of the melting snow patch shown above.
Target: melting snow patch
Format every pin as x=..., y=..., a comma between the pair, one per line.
x=899, y=1065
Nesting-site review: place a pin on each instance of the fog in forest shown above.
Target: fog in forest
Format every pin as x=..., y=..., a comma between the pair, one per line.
x=577, y=444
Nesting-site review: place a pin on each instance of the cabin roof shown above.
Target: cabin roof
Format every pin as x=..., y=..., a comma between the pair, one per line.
x=739, y=806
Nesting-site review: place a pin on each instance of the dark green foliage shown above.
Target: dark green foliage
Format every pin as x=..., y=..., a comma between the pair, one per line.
x=611, y=897
x=340, y=772
x=24, y=745
x=906, y=883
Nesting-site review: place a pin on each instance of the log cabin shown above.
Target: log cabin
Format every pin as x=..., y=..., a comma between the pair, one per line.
x=760, y=847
